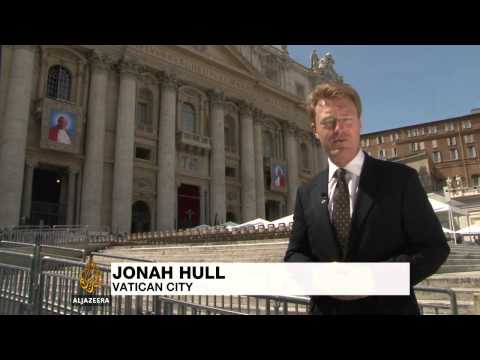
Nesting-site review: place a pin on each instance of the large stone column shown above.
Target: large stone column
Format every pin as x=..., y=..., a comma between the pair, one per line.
x=92, y=184
x=259, y=178
x=27, y=189
x=13, y=135
x=124, y=150
x=249, y=198
x=217, y=159
x=166, y=189
x=292, y=163
x=72, y=176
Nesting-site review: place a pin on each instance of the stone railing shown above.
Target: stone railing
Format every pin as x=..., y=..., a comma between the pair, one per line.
x=213, y=234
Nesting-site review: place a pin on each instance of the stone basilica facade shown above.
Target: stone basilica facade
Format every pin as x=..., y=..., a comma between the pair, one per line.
x=154, y=137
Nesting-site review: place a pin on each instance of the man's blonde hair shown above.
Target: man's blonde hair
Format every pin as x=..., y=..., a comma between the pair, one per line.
x=332, y=91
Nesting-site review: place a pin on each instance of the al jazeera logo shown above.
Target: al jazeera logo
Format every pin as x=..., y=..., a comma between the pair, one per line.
x=90, y=282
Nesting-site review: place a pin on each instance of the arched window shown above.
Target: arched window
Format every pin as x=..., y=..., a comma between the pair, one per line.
x=267, y=145
x=230, y=143
x=144, y=111
x=305, y=159
x=188, y=118
x=59, y=83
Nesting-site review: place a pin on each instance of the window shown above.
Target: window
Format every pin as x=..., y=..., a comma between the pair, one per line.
x=454, y=154
x=305, y=160
x=367, y=142
x=394, y=152
x=432, y=130
x=391, y=137
x=188, y=118
x=397, y=137
x=414, y=147
x=476, y=180
x=421, y=131
x=362, y=143
x=380, y=140
x=381, y=154
x=467, y=124
x=452, y=141
x=434, y=144
x=437, y=156
x=471, y=152
x=422, y=146
x=409, y=133
x=59, y=83
x=230, y=172
x=144, y=111
x=142, y=153
x=449, y=127
x=469, y=139
x=267, y=145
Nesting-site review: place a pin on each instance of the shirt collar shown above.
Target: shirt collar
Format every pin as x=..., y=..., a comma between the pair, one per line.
x=353, y=167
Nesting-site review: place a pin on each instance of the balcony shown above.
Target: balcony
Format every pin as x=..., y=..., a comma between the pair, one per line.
x=193, y=143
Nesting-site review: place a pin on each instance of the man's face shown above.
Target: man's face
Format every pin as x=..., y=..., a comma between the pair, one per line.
x=338, y=129
x=62, y=124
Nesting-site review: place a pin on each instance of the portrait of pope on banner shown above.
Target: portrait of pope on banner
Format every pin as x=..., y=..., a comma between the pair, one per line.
x=279, y=177
x=61, y=127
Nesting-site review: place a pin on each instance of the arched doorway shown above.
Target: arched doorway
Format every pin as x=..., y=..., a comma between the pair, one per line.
x=140, y=217
x=188, y=206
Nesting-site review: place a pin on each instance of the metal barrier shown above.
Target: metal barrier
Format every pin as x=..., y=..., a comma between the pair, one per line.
x=31, y=283
x=453, y=307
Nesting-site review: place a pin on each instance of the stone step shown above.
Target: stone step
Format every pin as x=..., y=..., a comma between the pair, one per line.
x=455, y=280
x=458, y=268
x=462, y=262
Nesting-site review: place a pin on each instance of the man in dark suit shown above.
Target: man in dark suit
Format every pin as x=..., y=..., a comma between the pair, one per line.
x=361, y=209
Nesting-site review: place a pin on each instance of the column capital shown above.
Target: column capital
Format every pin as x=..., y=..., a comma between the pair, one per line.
x=128, y=68
x=100, y=61
x=217, y=97
x=246, y=108
x=168, y=80
x=290, y=127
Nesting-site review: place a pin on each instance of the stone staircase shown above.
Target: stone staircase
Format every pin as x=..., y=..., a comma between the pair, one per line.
x=463, y=258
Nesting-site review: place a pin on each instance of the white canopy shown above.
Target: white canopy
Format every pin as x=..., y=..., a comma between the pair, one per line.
x=440, y=206
x=254, y=223
x=470, y=230
x=285, y=220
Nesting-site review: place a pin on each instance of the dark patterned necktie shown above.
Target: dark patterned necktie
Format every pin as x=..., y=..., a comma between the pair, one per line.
x=341, y=210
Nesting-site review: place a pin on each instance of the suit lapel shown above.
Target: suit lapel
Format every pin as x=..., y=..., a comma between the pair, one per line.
x=367, y=189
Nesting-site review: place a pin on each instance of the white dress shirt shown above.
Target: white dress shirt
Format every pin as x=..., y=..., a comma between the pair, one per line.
x=352, y=176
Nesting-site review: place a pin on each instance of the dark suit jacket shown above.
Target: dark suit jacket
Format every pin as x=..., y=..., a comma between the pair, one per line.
x=392, y=221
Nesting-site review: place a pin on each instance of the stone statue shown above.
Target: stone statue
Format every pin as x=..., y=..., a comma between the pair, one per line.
x=449, y=182
x=458, y=182
x=314, y=60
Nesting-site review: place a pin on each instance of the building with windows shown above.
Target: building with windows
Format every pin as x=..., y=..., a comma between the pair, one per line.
x=154, y=137
x=444, y=152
